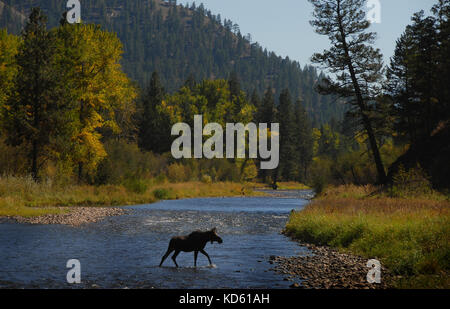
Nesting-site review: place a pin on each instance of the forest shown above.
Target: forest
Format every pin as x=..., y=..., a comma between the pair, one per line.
x=178, y=42
x=72, y=109
x=86, y=112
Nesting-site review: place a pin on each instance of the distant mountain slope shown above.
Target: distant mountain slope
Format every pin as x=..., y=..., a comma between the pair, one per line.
x=178, y=41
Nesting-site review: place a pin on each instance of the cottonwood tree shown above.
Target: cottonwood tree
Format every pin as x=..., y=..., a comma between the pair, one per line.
x=355, y=65
x=8, y=49
x=88, y=60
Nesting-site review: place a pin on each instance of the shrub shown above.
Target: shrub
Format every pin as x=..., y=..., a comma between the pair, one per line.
x=135, y=185
x=206, y=179
x=410, y=183
x=161, y=194
x=319, y=184
x=176, y=173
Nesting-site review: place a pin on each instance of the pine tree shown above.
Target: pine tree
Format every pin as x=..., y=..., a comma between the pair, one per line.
x=358, y=67
x=286, y=119
x=267, y=111
x=303, y=141
x=32, y=115
x=154, y=133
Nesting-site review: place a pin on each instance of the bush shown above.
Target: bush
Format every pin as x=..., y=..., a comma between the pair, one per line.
x=206, y=179
x=319, y=184
x=161, y=194
x=410, y=183
x=135, y=185
x=177, y=173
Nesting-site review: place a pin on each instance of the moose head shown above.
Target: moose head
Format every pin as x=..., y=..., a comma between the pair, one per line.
x=214, y=237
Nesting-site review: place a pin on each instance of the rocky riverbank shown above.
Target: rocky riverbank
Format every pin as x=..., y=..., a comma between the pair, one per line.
x=326, y=268
x=74, y=216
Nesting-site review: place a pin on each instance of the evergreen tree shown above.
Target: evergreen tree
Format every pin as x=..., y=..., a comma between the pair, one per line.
x=267, y=111
x=418, y=75
x=303, y=141
x=31, y=114
x=286, y=119
x=358, y=67
x=154, y=131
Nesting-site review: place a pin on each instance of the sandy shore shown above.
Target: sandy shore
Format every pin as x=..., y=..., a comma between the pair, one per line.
x=326, y=268
x=75, y=216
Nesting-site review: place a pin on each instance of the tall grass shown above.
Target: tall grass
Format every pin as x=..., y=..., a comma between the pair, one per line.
x=21, y=196
x=411, y=237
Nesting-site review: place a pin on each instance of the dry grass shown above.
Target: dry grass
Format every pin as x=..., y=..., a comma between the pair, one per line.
x=24, y=197
x=282, y=186
x=409, y=236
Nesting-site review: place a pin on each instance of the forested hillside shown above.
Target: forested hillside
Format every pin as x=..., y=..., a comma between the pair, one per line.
x=179, y=41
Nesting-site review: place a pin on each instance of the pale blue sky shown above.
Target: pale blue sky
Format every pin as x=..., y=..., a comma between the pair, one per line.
x=283, y=26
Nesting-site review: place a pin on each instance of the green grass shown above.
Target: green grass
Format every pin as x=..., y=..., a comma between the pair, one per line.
x=411, y=237
x=21, y=196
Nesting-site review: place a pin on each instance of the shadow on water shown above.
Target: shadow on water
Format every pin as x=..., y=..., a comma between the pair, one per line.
x=124, y=252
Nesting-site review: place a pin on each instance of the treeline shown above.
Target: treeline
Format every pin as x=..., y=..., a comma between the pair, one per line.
x=223, y=101
x=69, y=113
x=178, y=42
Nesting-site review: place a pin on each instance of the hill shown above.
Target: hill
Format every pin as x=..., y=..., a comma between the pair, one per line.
x=180, y=41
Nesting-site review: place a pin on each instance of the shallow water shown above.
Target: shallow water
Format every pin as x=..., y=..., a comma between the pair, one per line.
x=125, y=251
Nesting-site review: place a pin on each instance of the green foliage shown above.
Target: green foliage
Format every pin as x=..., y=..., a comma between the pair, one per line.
x=177, y=172
x=162, y=194
x=153, y=126
x=125, y=160
x=319, y=183
x=180, y=42
x=357, y=66
x=409, y=237
x=410, y=183
x=34, y=114
x=8, y=50
x=135, y=185
x=68, y=86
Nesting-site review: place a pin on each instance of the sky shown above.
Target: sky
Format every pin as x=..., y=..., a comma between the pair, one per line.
x=283, y=26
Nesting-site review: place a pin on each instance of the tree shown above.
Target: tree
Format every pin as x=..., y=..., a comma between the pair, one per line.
x=8, y=68
x=286, y=118
x=267, y=111
x=32, y=115
x=154, y=130
x=303, y=141
x=357, y=66
x=101, y=95
x=419, y=74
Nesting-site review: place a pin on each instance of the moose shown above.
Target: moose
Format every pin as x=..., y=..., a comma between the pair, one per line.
x=194, y=242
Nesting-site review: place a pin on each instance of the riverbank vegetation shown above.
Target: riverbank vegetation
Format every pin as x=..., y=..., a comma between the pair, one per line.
x=410, y=236
x=24, y=197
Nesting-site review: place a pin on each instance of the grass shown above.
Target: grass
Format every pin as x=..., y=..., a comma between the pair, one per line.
x=21, y=196
x=410, y=236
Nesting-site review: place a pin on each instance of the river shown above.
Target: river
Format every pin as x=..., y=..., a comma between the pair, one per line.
x=125, y=251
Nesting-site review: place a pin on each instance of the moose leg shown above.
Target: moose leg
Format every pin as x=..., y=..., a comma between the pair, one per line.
x=195, y=258
x=169, y=251
x=174, y=257
x=206, y=254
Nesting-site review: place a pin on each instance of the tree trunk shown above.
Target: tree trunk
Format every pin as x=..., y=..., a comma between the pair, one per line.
x=363, y=109
x=80, y=173
x=34, y=165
